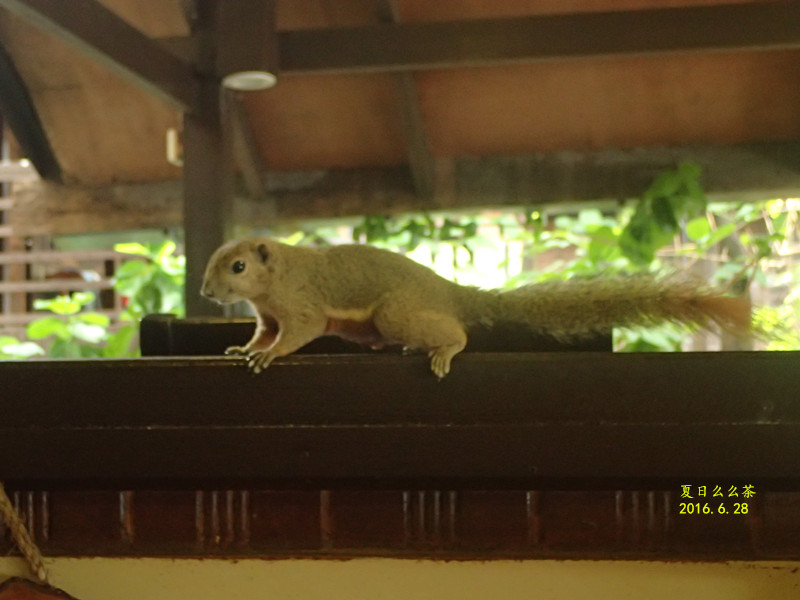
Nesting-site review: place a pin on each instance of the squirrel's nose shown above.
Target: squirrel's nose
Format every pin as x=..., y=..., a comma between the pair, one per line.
x=207, y=292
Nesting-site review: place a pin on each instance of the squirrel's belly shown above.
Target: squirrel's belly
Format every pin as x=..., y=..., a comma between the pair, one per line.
x=362, y=332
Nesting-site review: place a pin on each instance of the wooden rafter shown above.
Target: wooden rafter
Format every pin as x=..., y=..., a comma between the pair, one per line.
x=19, y=112
x=98, y=32
x=420, y=158
x=414, y=46
x=245, y=37
x=245, y=41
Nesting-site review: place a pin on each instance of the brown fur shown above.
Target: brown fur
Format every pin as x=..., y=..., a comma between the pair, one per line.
x=378, y=297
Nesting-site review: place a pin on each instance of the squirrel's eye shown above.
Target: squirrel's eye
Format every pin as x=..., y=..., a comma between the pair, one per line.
x=237, y=267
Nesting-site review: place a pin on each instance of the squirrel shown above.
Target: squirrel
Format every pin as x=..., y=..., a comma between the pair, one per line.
x=376, y=297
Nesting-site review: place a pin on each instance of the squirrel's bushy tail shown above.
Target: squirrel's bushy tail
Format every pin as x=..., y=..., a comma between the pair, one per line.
x=580, y=307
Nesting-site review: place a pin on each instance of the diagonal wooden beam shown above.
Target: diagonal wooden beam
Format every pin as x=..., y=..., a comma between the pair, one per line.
x=414, y=46
x=18, y=110
x=98, y=32
x=420, y=158
x=244, y=145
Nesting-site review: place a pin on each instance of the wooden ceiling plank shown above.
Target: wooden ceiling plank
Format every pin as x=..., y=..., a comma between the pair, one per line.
x=420, y=157
x=98, y=32
x=414, y=46
x=20, y=113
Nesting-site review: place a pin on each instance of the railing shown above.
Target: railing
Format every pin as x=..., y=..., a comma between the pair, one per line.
x=30, y=268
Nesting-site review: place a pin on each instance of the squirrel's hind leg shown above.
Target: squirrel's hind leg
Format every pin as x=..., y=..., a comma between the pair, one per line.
x=440, y=335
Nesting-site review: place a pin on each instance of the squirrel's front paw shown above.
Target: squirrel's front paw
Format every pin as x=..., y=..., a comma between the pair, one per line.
x=235, y=351
x=258, y=361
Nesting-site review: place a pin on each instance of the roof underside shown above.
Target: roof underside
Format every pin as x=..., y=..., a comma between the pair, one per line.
x=104, y=129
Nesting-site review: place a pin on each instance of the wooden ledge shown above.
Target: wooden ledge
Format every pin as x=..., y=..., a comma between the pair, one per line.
x=590, y=420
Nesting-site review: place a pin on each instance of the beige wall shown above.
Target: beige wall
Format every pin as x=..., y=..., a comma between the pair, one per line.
x=379, y=579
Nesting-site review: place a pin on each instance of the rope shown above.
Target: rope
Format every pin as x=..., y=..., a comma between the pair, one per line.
x=21, y=536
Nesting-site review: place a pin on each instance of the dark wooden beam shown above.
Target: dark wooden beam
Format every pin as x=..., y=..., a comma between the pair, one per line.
x=43, y=208
x=562, y=180
x=207, y=203
x=99, y=33
x=420, y=158
x=526, y=420
x=19, y=112
x=246, y=38
x=166, y=335
x=207, y=198
x=414, y=46
x=245, y=42
x=208, y=167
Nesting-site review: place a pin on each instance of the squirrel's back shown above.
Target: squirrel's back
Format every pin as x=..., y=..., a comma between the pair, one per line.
x=356, y=275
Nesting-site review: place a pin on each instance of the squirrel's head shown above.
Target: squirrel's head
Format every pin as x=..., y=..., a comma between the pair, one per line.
x=239, y=270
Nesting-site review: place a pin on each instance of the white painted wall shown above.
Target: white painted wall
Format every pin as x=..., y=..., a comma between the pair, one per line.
x=386, y=579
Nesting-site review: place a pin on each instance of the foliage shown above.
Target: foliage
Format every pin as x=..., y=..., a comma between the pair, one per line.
x=414, y=231
x=151, y=283
x=154, y=285
x=70, y=332
x=672, y=226
x=11, y=347
x=674, y=197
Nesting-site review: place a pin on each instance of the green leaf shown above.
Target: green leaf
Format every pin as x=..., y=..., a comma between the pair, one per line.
x=119, y=344
x=603, y=246
x=131, y=276
x=147, y=300
x=641, y=237
x=132, y=269
x=664, y=215
x=165, y=252
x=92, y=318
x=590, y=216
x=7, y=339
x=20, y=350
x=694, y=201
x=698, y=229
x=65, y=349
x=90, y=351
x=667, y=184
x=83, y=298
x=47, y=326
x=86, y=332
x=564, y=222
x=763, y=247
x=721, y=233
x=60, y=305
x=748, y=212
x=132, y=248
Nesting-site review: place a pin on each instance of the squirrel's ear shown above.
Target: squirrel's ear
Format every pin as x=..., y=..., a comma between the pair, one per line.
x=262, y=252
